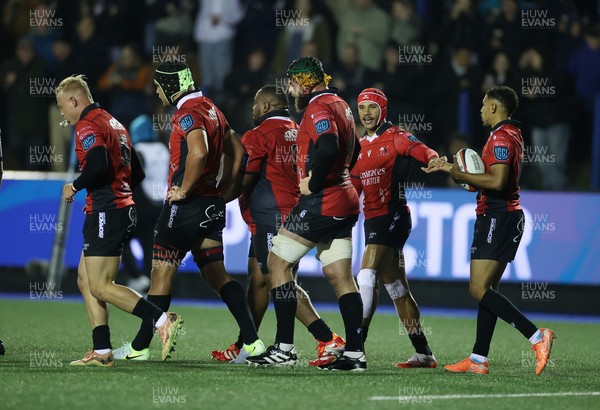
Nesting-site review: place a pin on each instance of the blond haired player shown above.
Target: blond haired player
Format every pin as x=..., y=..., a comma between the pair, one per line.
x=110, y=171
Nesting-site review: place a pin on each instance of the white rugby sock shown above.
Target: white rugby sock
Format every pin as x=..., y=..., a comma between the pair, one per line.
x=286, y=347
x=477, y=358
x=161, y=320
x=102, y=351
x=354, y=355
x=536, y=338
x=366, y=281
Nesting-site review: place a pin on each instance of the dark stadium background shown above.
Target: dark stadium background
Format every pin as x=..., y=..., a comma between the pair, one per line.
x=434, y=59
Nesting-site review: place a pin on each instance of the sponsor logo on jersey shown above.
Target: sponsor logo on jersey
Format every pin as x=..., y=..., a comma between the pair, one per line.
x=412, y=138
x=212, y=113
x=116, y=125
x=501, y=152
x=88, y=141
x=322, y=125
x=186, y=122
x=291, y=135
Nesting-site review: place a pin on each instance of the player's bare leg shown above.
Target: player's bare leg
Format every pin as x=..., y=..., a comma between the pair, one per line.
x=376, y=258
x=483, y=285
x=396, y=284
x=101, y=274
x=257, y=292
x=96, y=309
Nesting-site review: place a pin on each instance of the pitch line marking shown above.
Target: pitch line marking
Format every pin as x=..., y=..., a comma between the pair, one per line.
x=486, y=396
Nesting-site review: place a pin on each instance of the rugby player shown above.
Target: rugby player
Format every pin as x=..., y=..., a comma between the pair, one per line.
x=323, y=217
x=269, y=192
x=381, y=173
x=498, y=230
x=110, y=171
x=193, y=216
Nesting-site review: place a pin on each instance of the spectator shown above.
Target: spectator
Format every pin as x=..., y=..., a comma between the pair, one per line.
x=256, y=30
x=400, y=83
x=42, y=36
x=406, y=25
x=173, y=25
x=214, y=31
x=463, y=27
x=25, y=108
x=367, y=26
x=585, y=66
x=126, y=84
x=306, y=22
x=91, y=57
x=543, y=108
x=500, y=73
x=350, y=76
x=60, y=137
x=241, y=85
x=504, y=31
x=457, y=78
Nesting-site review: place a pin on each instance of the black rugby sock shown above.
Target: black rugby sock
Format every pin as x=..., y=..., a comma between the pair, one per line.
x=499, y=305
x=234, y=297
x=144, y=335
x=101, y=337
x=286, y=303
x=419, y=342
x=351, y=308
x=320, y=330
x=486, y=323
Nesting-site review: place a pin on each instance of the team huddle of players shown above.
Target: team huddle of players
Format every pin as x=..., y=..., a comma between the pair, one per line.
x=298, y=188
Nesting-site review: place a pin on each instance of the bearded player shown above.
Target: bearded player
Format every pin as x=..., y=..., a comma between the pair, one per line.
x=498, y=230
x=323, y=217
x=270, y=192
x=381, y=173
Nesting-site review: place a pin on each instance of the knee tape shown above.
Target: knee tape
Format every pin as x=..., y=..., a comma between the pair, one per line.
x=395, y=289
x=203, y=257
x=288, y=249
x=366, y=278
x=334, y=251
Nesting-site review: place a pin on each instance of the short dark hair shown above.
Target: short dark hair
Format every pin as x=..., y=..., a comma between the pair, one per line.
x=506, y=96
x=276, y=94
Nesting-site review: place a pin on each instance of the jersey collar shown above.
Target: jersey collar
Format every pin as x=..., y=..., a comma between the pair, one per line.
x=87, y=109
x=382, y=128
x=317, y=94
x=187, y=96
x=275, y=114
x=514, y=123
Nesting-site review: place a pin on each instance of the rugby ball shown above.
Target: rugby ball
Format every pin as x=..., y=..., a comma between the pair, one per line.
x=469, y=161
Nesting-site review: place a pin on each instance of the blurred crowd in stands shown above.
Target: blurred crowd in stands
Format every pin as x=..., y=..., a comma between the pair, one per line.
x=433, y=58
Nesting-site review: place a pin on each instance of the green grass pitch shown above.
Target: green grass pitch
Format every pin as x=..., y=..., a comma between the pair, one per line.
x=42, y=337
